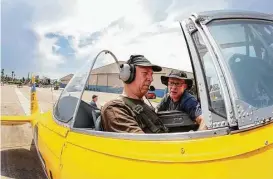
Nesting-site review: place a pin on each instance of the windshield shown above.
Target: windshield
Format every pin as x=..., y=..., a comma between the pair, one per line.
x=71, y=95
x=247, y=47
x=103, y=80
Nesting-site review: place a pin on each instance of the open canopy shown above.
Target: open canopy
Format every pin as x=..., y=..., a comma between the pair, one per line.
x=245, y=55
x=66, y=107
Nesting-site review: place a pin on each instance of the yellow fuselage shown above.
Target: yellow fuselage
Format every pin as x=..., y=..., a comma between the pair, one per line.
x=69, y=154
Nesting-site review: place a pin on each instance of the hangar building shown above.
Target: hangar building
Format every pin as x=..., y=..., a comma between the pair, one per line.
x=106, y=79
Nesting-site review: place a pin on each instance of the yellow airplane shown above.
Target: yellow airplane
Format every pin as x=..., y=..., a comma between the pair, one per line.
x=232, y=49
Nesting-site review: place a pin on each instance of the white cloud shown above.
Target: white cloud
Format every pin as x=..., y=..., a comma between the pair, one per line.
x=45, y=55
x=89, y=16
x=141, y=32
x=164, y=48
x=86, y=17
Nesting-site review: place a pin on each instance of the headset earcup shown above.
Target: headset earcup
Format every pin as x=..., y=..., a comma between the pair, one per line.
x=127, y=73
x=124, y=74
x=132, y=74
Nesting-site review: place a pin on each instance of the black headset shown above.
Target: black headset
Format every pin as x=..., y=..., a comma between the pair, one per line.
x=128, y=70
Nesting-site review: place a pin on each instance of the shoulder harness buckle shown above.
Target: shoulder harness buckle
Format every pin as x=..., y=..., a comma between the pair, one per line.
x=138, y=109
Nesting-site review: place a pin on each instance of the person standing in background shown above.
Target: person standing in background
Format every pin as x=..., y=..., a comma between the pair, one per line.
x=94, y=100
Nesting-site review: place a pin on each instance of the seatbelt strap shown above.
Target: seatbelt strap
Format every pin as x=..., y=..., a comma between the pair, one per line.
x=142, y=118
x=137, y=109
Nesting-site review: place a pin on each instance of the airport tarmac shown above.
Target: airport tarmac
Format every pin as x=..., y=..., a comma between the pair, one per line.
x=18, y=156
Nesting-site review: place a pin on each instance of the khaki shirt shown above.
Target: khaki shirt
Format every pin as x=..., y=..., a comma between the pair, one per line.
x=118, y=117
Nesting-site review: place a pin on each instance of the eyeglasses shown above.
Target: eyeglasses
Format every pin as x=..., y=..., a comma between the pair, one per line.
x=170, y=83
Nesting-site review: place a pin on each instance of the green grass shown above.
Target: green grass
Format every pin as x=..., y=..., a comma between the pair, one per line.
x=157, y=100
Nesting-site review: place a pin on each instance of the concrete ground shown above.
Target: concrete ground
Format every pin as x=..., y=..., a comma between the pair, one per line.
x=18, y=156
x=105, y=97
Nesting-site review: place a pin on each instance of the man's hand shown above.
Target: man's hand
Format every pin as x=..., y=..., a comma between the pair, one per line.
x=201, y=122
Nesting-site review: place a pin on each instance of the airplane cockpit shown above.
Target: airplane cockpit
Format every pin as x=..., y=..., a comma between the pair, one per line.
x=228, y=60
x=74, y=106
x=232, y=83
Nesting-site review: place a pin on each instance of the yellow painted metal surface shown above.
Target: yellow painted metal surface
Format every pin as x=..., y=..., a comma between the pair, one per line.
x=15, y=120
x=19, y=120
x=231, y=156
x=34, y=107
x=51, y=139
x=68, y=154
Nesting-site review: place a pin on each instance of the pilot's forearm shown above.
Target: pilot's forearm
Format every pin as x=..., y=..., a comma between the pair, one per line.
x=201, y=122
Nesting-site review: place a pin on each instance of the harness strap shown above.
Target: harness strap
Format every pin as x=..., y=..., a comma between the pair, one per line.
x=144, y=119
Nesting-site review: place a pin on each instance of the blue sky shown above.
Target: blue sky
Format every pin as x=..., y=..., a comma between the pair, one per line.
x=53, y=38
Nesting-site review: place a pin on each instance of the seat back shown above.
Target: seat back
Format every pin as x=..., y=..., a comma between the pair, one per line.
x=98, y=124
x=84, y=117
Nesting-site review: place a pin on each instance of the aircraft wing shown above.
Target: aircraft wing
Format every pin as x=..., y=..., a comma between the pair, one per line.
x=15, y=120
x=34, y=108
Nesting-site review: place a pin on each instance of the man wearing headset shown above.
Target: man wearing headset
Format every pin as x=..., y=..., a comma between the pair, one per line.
x=129, y=113
x=179, y=98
